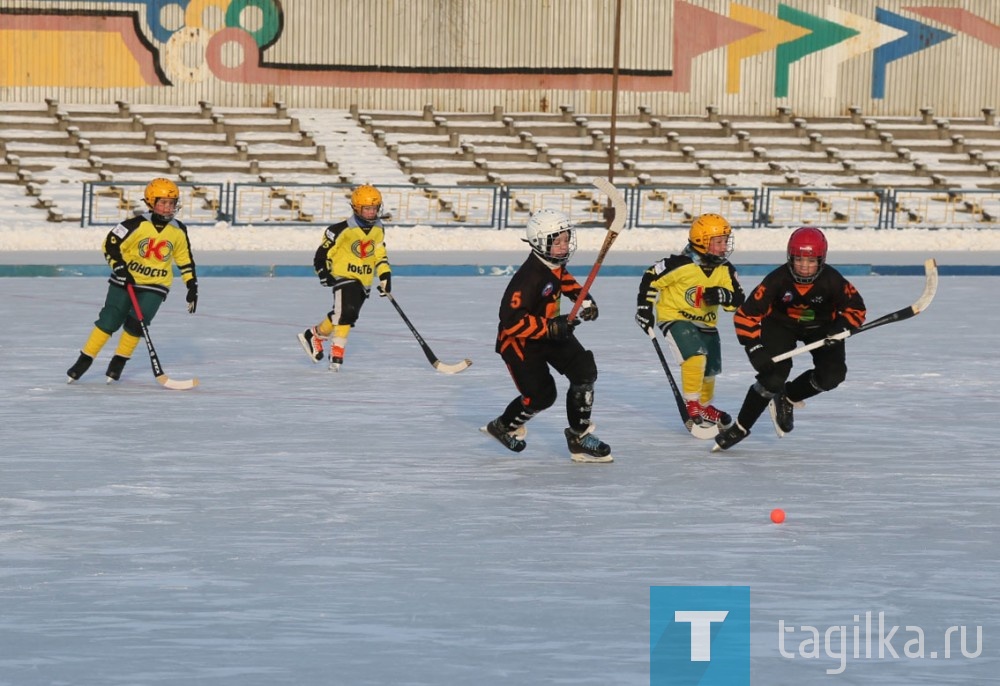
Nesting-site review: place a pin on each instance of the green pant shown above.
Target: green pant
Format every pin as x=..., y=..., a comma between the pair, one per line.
x=117, y=310
x=692, y=340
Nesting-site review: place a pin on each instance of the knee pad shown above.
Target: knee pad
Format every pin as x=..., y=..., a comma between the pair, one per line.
x=131, y=327
x=773, y=381
x=827, y=379
x=762, y=391
x=583, y=370
x=543, y=399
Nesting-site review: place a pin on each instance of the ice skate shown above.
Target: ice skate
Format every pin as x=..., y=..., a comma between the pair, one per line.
x=586, y=447
x=512, y=440
x=697, y=424
x=115, y=368
x=336, y=358
x=79, y=367
x=782, y=414
x=730, y=437
x=312, y=343
x=713, y=415
x=694, y=412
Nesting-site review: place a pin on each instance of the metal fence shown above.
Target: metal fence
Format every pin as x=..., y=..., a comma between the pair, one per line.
x=500, y=207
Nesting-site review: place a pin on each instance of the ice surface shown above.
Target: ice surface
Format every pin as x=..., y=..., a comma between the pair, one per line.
x=284, y=525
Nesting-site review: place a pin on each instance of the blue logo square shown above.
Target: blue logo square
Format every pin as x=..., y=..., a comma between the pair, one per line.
x=699, y=636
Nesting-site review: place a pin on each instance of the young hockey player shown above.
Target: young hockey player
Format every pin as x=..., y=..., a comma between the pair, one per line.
x=140, y=251
x=687, y=291
x=533, y=336
x=351, y=255
x=804, y=300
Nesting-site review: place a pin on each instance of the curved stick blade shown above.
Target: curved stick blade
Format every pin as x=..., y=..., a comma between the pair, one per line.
x=176, y=384
x=704, y=431
x=930, y=286
x=452, y=368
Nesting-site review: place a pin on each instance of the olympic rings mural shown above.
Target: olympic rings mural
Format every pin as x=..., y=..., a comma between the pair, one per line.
x=167, y=42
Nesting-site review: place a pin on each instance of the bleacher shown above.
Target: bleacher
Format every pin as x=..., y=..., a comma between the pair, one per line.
x=43, y=146
x=49, y=148
x=852, y=151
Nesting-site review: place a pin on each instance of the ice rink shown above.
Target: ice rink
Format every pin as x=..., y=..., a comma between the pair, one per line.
x=282, y=524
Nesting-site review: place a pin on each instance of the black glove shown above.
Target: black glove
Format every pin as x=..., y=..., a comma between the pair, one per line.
x=841, y=329
x=385, y=284
x=588, y=310
x=760, y=359
x=192, y=296
x=560, y=328
x=717, y=295
x=121, y=271
x=325, y=277
x=644, y=317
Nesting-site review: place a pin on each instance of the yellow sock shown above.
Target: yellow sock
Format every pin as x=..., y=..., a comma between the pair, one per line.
x=340, y=333
x=325, y=327
x=126, y=344
x=95, y=342
x=692, y=376
x=707, y=390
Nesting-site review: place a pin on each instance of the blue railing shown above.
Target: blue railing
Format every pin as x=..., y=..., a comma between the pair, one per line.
x=500, y=207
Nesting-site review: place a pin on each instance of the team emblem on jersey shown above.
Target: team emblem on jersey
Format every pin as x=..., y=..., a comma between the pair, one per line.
x=803, y=314
x=692, y=296
x=787, y=297
x=363, y=249
x=155, y=248
x=548, y=289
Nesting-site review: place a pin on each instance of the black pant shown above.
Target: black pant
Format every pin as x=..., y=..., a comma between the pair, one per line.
x=537, y=386
x=828, y=371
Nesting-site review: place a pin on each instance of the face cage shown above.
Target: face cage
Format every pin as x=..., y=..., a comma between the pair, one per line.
x=170, y=215
x=367, y=222
x=821, y=262
x=546, y=253
x=717, y=259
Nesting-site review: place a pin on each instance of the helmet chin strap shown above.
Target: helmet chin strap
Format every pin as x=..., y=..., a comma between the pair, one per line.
x=548, y=261
x=159, y=220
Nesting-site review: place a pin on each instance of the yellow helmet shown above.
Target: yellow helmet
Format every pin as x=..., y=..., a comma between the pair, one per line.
x=366, y=196
x=706, y=227
x=160, y=188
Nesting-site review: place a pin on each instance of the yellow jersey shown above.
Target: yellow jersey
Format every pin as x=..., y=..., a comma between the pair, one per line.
x=150, y=252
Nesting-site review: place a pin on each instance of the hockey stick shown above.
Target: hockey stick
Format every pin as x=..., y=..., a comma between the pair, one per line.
x=431, y=357
x=697, y=430
x=154, y=359
x=617, y=223
x=930, y=288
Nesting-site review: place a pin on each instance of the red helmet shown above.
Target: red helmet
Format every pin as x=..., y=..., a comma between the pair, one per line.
x=807, y=241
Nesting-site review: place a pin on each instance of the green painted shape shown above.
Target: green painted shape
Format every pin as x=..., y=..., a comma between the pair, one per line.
x=271, y=19
x=823, y=34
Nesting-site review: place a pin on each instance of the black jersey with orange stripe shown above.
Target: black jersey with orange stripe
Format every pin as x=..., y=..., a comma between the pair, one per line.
x=809, y=308
x=533, y=296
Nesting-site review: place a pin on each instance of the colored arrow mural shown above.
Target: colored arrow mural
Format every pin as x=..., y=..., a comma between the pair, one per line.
x=963, y=21
x=871, y=35
x=714, y=31
x=773, y=32
x=822, y=34
x=918, y=37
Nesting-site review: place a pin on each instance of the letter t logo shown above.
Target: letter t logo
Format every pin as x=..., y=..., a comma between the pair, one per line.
x=701, y=631
x=699, y=636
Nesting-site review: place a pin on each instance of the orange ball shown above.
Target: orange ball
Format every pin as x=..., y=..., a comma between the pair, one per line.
x=777, y=515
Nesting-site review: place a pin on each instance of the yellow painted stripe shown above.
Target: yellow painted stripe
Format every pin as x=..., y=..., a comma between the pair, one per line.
x=67, y=59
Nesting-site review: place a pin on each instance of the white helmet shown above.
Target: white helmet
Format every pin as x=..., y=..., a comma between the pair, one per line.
x=543, y=226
